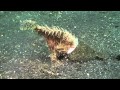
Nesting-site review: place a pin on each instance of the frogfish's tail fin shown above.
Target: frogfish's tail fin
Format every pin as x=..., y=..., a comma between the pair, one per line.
x=28, y=25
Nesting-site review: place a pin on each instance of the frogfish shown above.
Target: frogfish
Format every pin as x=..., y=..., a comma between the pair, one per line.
x=60, y=42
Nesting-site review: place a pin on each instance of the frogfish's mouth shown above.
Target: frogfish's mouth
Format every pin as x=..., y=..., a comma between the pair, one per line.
x=72, y=48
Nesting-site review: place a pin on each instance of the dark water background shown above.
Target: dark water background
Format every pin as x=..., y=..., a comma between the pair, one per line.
x=23, y=54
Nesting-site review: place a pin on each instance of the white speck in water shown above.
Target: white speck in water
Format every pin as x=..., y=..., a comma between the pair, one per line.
x=88, y=74
x=105, y=35
x=83, y=36
x=1, y=35
x=75, y=26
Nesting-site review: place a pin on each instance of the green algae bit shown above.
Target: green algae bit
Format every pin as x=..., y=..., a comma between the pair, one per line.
x=28, y=25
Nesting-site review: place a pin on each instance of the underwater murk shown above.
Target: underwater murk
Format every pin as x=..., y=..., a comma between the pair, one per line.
x=59, y=45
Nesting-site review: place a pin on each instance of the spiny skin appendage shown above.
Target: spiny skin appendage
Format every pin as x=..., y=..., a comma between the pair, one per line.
x=56, y=32
x=58, y=39
x=28, y=25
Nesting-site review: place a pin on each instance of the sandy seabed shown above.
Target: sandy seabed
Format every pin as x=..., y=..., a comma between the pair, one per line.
x=24, y=54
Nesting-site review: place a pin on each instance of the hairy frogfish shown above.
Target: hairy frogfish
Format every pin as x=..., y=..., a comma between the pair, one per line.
x=60, y=42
